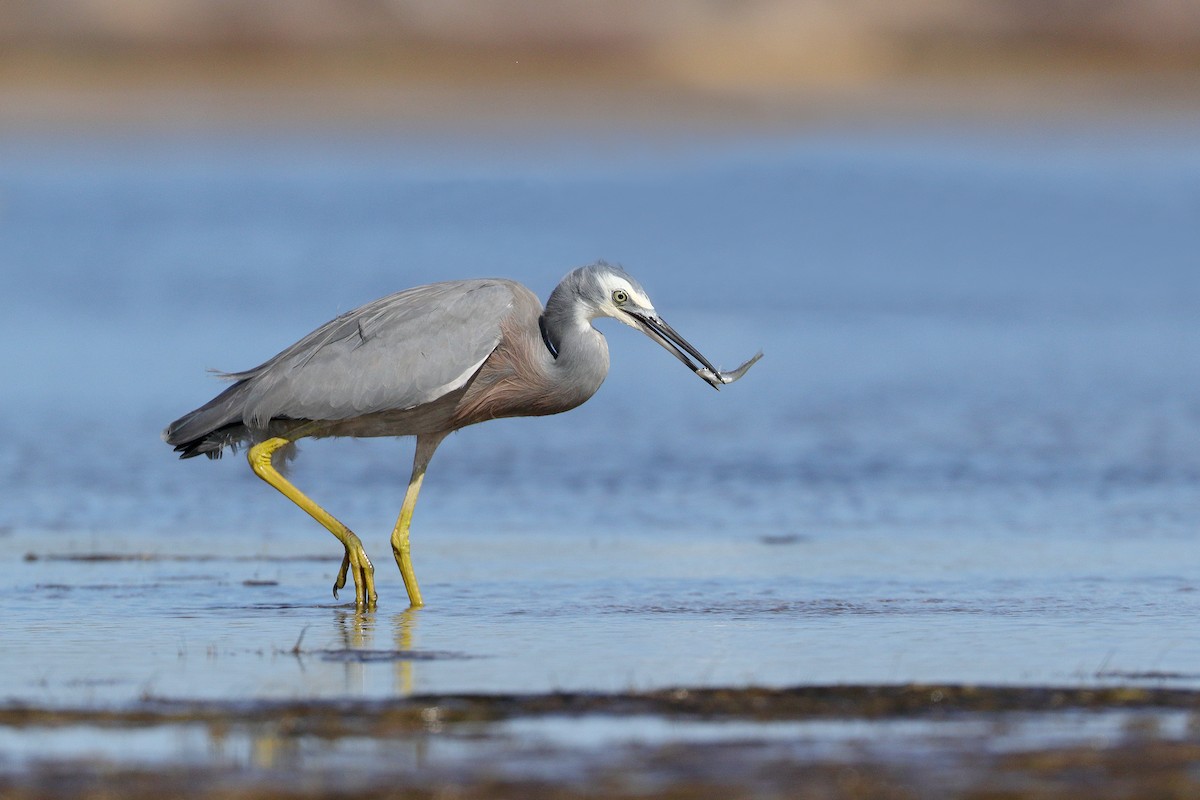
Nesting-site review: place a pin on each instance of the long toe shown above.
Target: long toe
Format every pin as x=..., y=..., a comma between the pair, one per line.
x=363, y=572
x=340, y=583
x=367, y=597
x=357, y=564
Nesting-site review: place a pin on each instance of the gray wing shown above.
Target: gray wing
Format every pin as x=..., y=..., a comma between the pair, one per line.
x=395, y=353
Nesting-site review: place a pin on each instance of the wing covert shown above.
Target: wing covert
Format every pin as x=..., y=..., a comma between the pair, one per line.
x=395, y=353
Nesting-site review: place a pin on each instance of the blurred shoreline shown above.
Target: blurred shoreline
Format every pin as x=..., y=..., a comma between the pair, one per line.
x=412, y=65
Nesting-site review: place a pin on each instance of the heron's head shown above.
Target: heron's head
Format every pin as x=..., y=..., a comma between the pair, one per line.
x=603, y=290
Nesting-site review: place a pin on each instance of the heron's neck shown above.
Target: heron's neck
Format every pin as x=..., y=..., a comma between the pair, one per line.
x=579, y=352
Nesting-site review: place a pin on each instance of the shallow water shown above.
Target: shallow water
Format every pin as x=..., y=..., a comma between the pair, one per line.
x=970, y=454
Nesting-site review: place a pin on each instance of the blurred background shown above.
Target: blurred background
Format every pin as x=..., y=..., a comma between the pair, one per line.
x=964, y=232
x=420, y=63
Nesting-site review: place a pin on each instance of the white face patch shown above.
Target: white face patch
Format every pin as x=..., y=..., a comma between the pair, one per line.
x=637, y=299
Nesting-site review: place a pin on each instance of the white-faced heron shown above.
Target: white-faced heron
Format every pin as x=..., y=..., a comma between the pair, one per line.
x=426, y=362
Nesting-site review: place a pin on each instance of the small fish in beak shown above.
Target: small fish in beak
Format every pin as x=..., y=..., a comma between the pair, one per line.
x=657, y=329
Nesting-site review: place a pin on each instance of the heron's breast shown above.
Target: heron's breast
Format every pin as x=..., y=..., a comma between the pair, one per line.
x=520, y=379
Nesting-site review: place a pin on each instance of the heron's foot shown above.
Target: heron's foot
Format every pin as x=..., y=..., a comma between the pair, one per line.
x=358, y=565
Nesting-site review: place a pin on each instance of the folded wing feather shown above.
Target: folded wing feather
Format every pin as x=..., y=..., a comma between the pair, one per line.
x=395, y=353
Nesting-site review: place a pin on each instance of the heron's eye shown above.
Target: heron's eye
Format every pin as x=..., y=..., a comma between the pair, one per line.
x=620, y=296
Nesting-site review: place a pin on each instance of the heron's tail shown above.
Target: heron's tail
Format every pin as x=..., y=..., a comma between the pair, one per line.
x=211, y=428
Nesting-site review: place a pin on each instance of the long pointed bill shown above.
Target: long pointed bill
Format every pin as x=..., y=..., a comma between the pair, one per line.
x=658, y=330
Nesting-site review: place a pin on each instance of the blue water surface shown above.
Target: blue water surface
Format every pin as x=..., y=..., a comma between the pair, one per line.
x=971, y=453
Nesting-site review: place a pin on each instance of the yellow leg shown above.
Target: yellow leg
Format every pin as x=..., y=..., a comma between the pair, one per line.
x=401, y=548
x=355, y=559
